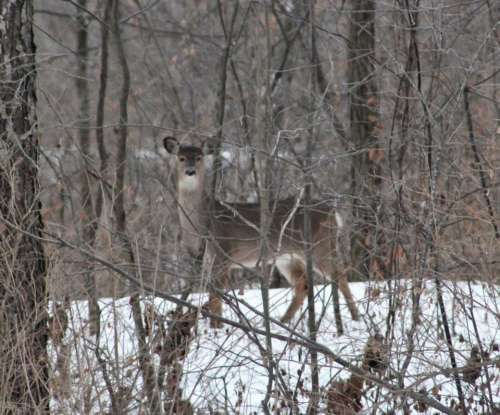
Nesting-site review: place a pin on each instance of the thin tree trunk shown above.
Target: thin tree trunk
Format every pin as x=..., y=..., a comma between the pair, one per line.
x=478, y=164
x=365, y=170
x=219, y=281
x=103, y=83
x=311, y=312
x=144, y=356
x=88, y=225
x=92, y=211
x=403, y=109
x=23, y=297
x=264, y=131
x=449, y=342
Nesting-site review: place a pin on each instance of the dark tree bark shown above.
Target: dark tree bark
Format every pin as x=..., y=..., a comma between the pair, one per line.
x=23, y=300
x=89, y=217
x=366, y=168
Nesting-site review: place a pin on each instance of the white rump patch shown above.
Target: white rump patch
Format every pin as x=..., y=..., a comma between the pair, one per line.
x=285, y=263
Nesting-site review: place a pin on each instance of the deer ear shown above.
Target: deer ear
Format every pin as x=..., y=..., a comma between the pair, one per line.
x=171, y=144
x=208, y=148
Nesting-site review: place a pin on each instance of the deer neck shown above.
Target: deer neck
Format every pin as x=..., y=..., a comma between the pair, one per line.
x=193, y=219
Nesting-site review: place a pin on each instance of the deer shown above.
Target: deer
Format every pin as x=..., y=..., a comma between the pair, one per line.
x=230, y=233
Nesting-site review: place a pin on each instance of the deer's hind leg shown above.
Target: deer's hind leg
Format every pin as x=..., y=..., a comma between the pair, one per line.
x=346, y=292
x=292, y=268
x=329, y=270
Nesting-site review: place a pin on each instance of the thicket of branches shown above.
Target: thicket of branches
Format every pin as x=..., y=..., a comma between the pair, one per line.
x=389, y=109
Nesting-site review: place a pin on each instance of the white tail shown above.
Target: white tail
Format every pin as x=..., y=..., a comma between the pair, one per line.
x=233, y=235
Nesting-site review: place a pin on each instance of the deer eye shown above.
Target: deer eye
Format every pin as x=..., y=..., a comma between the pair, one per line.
x=182, y=159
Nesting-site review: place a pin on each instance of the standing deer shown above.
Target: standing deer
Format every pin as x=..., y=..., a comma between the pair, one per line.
x=233, y=237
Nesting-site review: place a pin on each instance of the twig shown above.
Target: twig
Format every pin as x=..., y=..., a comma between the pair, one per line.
x=90, y=13
x=449, y=343
x=479, y=343
x=477, y=162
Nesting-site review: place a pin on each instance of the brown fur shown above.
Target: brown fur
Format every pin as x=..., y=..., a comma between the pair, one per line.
x=233, y=233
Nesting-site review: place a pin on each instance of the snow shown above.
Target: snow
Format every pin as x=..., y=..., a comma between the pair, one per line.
x=225, y=369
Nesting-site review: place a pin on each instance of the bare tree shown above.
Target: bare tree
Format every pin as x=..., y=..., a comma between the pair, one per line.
x=23, y=300
x=363, y=111
x=145, y=358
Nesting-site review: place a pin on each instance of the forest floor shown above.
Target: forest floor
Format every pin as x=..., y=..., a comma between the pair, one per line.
x=226, y=371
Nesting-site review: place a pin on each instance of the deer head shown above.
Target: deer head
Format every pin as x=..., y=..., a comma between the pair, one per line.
x=190, y=164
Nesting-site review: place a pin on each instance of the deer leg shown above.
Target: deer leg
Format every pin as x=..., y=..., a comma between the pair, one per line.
x=346, y=292
x=326, y=268
x=294, y=272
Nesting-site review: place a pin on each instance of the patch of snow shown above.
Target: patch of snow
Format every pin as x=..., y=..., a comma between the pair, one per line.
x=225, y=370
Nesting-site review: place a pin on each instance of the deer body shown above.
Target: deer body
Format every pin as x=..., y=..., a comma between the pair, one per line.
x=233, y=235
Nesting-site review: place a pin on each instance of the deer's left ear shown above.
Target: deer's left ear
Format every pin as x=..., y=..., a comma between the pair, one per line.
x=208, y=148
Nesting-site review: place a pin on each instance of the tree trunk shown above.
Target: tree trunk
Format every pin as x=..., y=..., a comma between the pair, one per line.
x=88, y=226
x=366, y=169
x=144, y=356
x=23, y=300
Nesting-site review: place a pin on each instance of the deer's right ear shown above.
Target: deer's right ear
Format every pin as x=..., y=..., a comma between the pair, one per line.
x=171, y=144
x=208, y=148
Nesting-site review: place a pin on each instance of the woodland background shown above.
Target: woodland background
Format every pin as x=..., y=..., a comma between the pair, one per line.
x=390, y=108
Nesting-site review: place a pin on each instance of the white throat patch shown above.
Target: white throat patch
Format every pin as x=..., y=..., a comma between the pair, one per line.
x=189, y=183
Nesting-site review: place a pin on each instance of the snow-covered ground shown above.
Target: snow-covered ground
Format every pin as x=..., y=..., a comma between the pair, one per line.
x=225, y=370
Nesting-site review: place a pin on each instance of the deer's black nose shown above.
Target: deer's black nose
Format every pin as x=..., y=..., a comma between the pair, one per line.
x=190, y=172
